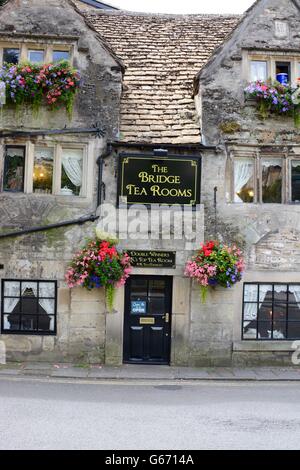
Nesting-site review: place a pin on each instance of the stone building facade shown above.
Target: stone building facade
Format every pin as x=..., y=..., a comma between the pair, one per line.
x=142, y=85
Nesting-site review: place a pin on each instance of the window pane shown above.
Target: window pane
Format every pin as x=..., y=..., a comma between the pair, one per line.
x=251, y=293
x=11, y=322
x=46, y=289
x=249, y=330
x=46, y=323
x=157, y=288
x=11, y=56
x=280, y=293
x=294, y=312
x=293, y=330
x=258, y=70
x=29, y=322
x=71, y=172
x=139, y=288
x=46, y=306
x=265, y=312
x=296, y=181
x=243, y=180
x=283, y=72
x=29, y=289
x=36, y=56
x=279, y=330
x=280, y=310
x=12, y=288
x=14, y=169
x=250, y=311
x=43, y=170
x=60, y=55
x=265, y=292
x=265, y=330
x=271, y=180
x=294, y=294
x=11, y=305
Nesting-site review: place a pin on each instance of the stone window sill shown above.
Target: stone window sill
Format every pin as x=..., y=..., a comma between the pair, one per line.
x=261, y=346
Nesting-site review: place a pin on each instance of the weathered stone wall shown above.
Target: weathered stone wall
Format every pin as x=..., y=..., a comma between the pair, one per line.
x=45, y=255
x=268, y=233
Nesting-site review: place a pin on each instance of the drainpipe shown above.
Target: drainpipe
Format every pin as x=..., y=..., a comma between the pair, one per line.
x=101, y=184
x=43, y=228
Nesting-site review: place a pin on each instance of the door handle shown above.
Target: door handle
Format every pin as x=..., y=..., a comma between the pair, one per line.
x=166, y=317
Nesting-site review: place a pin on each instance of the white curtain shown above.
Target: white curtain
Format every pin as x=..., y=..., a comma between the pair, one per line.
x=243, y=172
x=258, y=70
x=47, y=289
x=12, y=289
x=296, y=291
x=251, y=295
x=72, y=164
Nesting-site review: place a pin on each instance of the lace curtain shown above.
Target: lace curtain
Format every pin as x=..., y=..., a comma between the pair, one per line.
x=12, y=289
x=258, y=70
x=72, y=164
x=243, y=172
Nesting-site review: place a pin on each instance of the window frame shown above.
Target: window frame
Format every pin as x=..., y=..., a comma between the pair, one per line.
x=47, y=48
x=271, y=58
x=258, y=155
x=7, y=191
x=86, y=148
x=287, y=303
x=29, y=332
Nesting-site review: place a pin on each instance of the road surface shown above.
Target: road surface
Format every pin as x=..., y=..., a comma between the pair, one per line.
x=43, y=414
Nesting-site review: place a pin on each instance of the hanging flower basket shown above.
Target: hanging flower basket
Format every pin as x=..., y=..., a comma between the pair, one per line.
x=52, y=84
x=275, y=98
x=99, y=264
x=215, y=264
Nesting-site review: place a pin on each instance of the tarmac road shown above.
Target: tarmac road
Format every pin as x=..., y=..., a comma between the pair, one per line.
x=62, y=414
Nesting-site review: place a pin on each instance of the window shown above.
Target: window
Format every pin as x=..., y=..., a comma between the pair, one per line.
x=296, y=180
x=14, y=169
x=43, y=170
x=271, y=311
x=271, y=180
x=36, y=56
x=243, y=180
x=283, y=72
x=60, y=55
x=11, y=55
x=259, y=177
x=55, y=169
x=280, y=67
x=259, y=70
x=71, y=171
x=28, y=307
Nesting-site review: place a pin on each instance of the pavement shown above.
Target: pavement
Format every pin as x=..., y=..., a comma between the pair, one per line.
x=148, y=372
x=40, y=414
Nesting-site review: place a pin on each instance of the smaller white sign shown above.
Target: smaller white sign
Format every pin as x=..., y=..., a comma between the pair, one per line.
x=281, y=29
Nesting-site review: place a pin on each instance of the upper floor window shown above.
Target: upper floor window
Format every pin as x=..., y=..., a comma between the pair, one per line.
x=11, y=55
x=60, y=55
x=57, y=169
x=271, y=311
x=14, y=168
x=36, y=56
x=28, y=307
x=35, y=53
x=265, y=179
x=284, y=69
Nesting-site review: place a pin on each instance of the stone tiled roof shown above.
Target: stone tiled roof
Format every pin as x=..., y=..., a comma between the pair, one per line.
x=162, y=55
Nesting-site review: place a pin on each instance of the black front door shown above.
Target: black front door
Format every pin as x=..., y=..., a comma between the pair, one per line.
x=147, y=325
